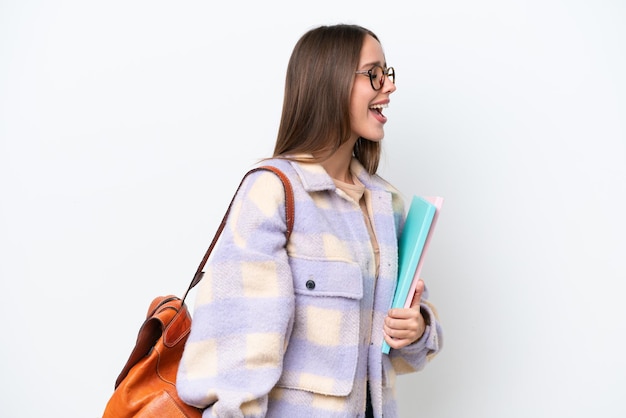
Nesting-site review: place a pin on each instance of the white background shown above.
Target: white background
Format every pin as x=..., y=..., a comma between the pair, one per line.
x=125, y=127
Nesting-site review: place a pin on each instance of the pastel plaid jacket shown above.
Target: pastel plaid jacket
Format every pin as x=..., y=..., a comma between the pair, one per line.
x=294, y=329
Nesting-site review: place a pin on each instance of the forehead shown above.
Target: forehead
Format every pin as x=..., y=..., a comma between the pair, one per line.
x=371, y=52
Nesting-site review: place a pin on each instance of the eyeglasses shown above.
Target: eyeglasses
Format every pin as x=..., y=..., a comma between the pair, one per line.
x=377, y=76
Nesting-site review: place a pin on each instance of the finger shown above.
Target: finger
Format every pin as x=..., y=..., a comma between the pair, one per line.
x=417, y=296
x=393, y=343
x=403, y=313
x=397, y=342
x=401, y=333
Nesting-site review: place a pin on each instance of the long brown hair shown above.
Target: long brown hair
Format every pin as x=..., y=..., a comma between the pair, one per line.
x=316, y=108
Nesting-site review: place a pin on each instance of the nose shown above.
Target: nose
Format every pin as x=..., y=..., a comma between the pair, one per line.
x=388, y=86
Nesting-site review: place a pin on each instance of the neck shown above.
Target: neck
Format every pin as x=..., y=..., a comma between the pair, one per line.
x=338, y=165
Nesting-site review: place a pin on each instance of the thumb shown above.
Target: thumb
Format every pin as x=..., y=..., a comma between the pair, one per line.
x=417, y=297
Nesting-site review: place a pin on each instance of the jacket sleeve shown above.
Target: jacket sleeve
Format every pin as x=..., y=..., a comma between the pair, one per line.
x=243, y=311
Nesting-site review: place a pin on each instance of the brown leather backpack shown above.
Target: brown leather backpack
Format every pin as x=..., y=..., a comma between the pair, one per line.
x=146, y=387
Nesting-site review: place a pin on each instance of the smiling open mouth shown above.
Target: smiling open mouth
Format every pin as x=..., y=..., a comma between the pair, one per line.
x=379, y=108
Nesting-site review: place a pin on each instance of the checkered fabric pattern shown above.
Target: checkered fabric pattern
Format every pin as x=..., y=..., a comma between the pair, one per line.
x=295, y=329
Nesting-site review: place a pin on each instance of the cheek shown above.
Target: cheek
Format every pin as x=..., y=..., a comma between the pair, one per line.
x=359, y=103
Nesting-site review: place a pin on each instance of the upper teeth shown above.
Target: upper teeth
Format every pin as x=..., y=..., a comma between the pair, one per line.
x=379, y=106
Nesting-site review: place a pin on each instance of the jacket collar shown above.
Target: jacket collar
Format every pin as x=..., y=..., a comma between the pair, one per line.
x=315, y=178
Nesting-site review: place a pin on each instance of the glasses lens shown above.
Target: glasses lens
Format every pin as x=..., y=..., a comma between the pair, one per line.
x=391, y=73
x=377, y=76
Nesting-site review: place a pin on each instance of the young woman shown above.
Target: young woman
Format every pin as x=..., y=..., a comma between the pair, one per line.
x=294, y=328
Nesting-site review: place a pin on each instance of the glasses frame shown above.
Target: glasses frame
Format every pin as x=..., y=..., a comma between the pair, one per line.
x=388, y=72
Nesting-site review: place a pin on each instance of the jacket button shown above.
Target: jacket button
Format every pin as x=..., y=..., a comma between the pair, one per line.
x=310, y=284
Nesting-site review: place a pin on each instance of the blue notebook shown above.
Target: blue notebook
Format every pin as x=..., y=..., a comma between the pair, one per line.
x=420, y=222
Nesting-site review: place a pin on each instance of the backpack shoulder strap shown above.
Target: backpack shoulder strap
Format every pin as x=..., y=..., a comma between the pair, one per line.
x=289, y=214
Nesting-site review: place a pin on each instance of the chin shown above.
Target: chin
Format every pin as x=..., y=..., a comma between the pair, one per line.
x=374, y=138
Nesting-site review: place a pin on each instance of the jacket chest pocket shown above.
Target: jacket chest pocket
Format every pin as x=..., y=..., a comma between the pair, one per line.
x=323, y=349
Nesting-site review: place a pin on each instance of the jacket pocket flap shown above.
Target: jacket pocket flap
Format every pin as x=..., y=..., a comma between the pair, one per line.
x=327, y=278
